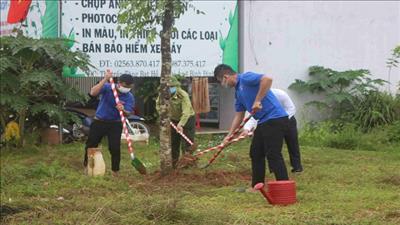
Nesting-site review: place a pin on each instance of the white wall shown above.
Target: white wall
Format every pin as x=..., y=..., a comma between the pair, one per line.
x=283, y=39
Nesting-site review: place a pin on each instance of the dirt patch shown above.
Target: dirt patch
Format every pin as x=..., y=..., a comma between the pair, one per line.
x=187, y=161
x=393, y=215
x=181, y=178
x=393, y=180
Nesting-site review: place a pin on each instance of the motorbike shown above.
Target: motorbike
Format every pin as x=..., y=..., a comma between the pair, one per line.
x=137, y=129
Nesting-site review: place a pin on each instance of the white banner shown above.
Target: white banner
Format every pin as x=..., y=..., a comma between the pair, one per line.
x=196, y=47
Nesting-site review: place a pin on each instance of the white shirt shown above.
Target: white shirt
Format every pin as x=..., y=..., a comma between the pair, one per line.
x=286, y=103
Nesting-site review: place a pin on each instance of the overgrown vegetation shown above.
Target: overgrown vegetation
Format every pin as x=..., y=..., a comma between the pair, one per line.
x=31, y=87
x=374, y=109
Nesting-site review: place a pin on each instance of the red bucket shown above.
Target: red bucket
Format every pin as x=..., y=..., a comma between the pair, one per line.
x=279, y=192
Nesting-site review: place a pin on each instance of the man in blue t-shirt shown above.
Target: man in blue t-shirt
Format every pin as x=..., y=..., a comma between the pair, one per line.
x=107, y=121
x=252, y=93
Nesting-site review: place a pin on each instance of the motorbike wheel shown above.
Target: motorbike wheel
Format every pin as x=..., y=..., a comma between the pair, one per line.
x=77, y=132
x=138, y=128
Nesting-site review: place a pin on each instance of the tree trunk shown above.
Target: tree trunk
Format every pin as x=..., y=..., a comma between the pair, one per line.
x=21, y=122
x=3, y=121
x=165, y=133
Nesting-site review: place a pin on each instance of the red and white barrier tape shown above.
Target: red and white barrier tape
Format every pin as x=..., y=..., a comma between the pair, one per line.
x=200, y=153
x=181, y=133
x=123, y=119
x=230, y=137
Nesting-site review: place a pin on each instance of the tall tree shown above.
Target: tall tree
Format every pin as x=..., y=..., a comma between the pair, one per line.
x=137, y=16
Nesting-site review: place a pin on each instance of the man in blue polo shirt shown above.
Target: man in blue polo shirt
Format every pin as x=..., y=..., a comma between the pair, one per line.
x=252, y=93
x=107, y=121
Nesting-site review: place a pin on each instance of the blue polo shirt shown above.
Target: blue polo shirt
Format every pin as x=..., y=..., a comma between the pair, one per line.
x=246, y=90
x=107, y=107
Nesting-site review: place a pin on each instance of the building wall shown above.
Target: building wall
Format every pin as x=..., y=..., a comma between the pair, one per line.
x=283, y=39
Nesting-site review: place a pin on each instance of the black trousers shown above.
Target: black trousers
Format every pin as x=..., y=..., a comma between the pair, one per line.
x=267, y=143
x=178, y=142
x=292, y=142
x=113, y=131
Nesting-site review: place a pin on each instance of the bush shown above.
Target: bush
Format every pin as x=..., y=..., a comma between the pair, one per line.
x=347, y=137
x=394, y=132
x=331, y=134
x=375, y=109
x=315, y=134
x=339, y=88
x=31, y=86
x=340, y=135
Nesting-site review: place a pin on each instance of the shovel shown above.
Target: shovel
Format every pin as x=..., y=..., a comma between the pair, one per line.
x=230, y=138
x=192, y=158
x=193, y=146
x=136, y=163
x=187, y=159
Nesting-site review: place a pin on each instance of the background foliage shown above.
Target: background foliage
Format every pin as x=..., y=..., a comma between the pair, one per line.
x=339, y=89
x=350, y=97
x=31, y=87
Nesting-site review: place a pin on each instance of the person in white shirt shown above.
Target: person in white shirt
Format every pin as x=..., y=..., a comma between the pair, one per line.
x=291, y=136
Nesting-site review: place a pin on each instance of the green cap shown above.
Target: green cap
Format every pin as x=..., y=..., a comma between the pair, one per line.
x=175, y=82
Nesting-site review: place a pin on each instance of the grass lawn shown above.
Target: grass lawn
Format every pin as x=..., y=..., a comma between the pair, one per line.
x=46, y=185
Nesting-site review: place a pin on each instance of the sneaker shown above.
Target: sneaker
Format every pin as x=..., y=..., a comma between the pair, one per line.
x=115, y=173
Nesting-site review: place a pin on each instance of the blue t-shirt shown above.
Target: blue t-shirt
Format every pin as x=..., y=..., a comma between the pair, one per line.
x=245, y=93
x=107, y=107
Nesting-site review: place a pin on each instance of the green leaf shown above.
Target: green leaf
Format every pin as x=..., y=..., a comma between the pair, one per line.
x=38, y=77
x=7, y=63
x=339, y=97
x=14, y=102
x=299, y=85
x=317, y=104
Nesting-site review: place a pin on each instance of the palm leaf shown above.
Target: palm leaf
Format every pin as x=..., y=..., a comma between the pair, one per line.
x=14, y=102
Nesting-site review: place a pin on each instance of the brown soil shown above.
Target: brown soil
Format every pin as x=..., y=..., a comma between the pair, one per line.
x=187, y=161
x=393, y=214
x=182, y=178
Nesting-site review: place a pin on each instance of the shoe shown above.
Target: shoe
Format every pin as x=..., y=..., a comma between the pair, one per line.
x=298, y=170
x=115, y=173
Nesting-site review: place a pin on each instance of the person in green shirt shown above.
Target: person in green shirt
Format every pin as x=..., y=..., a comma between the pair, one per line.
x=182, y=115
